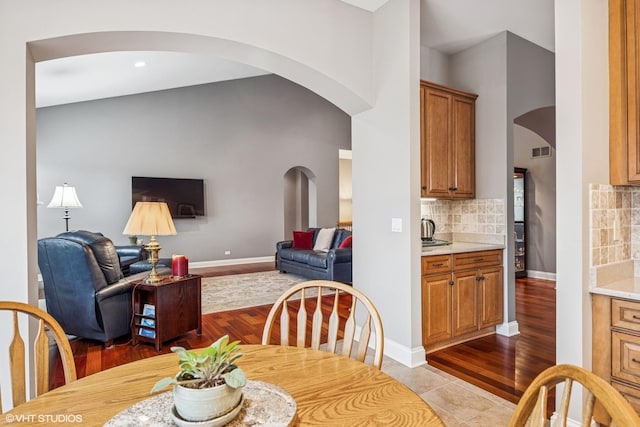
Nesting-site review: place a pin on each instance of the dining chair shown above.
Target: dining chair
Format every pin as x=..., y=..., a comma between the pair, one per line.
x=47, y=326
x=532, y=407
x=332, y=324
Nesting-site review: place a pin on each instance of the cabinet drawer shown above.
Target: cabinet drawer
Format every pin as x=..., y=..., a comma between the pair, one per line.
x=625, y=356
x=436, y=264
x=632, y=394
x=625, y=314
x=477, y=259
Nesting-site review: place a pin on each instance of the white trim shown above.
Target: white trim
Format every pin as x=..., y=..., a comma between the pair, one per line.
x=508, y=329
x=541, y=275
x=570, y=421
x=410, y=357
x=221, y=262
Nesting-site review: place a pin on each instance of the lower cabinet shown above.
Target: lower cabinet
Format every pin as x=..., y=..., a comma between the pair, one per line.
x=462, y=297
x=616, y=347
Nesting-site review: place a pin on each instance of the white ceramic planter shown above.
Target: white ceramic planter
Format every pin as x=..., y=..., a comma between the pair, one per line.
x=206, y=403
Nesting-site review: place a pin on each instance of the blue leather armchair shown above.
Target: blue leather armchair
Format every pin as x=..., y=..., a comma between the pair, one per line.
x=85, y=289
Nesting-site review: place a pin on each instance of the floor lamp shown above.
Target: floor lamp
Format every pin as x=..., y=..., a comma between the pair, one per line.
x=65, y=197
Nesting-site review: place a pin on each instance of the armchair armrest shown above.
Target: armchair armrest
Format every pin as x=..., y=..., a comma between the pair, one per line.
x=118, y=288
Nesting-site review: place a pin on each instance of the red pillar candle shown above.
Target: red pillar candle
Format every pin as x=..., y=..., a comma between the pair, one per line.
x=179, y=265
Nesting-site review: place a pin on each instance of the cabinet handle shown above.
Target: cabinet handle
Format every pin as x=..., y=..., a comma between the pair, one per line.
x=479, y=260
x=635, y=316
x=451, y=282
x=453, y=188
x=478, y=278
x=424, y=187
x=438, y=265
x=634, y=360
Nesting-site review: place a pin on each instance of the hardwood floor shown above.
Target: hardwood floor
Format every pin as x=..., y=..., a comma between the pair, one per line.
x=503, y=366
x=506, y=366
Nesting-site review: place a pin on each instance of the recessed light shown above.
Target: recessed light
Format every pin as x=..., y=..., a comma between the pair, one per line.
x=140, y=64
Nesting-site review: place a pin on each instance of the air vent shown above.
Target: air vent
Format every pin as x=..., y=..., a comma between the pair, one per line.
x=541, y=152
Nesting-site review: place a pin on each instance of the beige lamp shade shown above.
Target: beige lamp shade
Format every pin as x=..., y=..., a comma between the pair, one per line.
x=150, y=219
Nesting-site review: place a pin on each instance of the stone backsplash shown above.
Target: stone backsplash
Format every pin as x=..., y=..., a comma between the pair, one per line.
x=611, y=243
x=485, y=216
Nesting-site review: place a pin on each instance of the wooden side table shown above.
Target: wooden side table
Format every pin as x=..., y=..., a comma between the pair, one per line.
x=178, y=309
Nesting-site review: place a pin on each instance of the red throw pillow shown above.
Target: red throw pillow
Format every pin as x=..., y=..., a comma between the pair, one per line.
x=302, y=240
x=346, y=243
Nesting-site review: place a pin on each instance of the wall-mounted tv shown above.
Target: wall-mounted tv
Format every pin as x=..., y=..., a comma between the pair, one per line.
x=185, y=197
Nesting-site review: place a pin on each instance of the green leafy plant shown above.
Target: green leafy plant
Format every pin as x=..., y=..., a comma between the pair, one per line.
x=211, y=367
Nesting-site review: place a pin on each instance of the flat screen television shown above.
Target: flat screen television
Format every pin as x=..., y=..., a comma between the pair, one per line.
x=185, y=197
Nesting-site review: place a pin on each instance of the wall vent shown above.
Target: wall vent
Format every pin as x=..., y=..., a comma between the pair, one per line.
x=541, y=152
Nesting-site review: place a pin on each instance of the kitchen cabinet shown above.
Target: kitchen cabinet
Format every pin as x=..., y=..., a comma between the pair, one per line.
x=624, y=95
x=616, y=347
x=447, y=142
x=462, y=297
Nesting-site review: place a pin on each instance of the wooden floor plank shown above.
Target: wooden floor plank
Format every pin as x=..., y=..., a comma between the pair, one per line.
x=501, y=365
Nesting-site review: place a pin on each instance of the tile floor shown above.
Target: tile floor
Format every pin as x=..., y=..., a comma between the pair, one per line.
x=457, y=402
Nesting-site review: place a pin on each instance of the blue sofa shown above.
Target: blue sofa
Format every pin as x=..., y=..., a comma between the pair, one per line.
x=332, y=265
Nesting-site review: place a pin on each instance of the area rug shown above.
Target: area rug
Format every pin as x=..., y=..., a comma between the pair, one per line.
x=236, y=291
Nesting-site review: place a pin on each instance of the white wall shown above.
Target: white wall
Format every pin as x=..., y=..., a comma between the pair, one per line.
x=434, y=66
x=386, y=177
x=240, y=136
x=582, y=145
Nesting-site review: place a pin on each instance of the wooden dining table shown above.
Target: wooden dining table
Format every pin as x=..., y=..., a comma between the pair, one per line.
x=328, y=389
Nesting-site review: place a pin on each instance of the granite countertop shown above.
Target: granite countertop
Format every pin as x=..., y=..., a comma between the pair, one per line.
x=458, y=247
x=616, y=280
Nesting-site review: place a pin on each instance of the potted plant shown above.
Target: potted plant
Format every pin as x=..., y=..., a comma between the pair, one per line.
x=209, y=384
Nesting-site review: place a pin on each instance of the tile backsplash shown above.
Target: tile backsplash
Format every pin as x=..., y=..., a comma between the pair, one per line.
x=611, y=242
x=466, y=216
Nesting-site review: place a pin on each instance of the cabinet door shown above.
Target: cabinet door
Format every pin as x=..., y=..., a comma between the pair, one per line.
x=465, y=302
x=624, y=92
x=463, y=174
x=491, y=297
x=436, y=308
x=436, y=154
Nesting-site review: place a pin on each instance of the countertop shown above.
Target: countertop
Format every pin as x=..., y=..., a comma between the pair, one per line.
x=628, y=288
x=458, y=247
x=617, y=280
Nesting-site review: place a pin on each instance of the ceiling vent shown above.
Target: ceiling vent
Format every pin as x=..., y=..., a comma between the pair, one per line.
x=541, y=152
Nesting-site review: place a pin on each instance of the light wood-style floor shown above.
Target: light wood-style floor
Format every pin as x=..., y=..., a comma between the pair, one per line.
x=500, y=365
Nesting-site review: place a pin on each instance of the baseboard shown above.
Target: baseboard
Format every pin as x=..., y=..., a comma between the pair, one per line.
x=541, y=275
x=570, y=422
x=221, y=262
x=508, y=329
x=410, y=357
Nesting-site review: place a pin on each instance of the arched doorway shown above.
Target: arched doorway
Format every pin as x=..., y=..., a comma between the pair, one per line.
x=300, y=200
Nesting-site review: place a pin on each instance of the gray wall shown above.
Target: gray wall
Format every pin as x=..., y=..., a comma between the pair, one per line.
x=541, y=200
x=511, y=77
x=240, y=136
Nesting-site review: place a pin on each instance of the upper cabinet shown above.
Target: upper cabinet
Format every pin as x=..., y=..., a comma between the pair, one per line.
x=447, y=142
x=624, y=95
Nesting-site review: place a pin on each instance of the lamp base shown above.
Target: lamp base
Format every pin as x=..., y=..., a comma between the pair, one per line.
x=153, y=248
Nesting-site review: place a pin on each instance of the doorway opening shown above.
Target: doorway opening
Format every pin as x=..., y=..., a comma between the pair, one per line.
x=300, y=200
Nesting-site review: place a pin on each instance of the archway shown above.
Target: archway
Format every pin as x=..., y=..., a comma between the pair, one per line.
x=300, y=200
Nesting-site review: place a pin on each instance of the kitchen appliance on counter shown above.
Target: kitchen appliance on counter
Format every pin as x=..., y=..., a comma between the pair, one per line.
x=427, y=229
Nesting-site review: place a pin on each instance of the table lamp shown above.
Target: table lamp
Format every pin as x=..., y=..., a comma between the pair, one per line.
x=65, y=197
x=151, y=219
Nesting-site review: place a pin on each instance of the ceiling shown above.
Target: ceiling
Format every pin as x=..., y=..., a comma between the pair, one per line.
x=446, y=25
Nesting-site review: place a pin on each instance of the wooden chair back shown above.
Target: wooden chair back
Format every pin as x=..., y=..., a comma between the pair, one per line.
x=335, y=327
x=17, y=362
x=533, y=404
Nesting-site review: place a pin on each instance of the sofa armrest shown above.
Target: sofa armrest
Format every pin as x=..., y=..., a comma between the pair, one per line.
x=339, y=256
x=285, y=244
x=132, y=251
